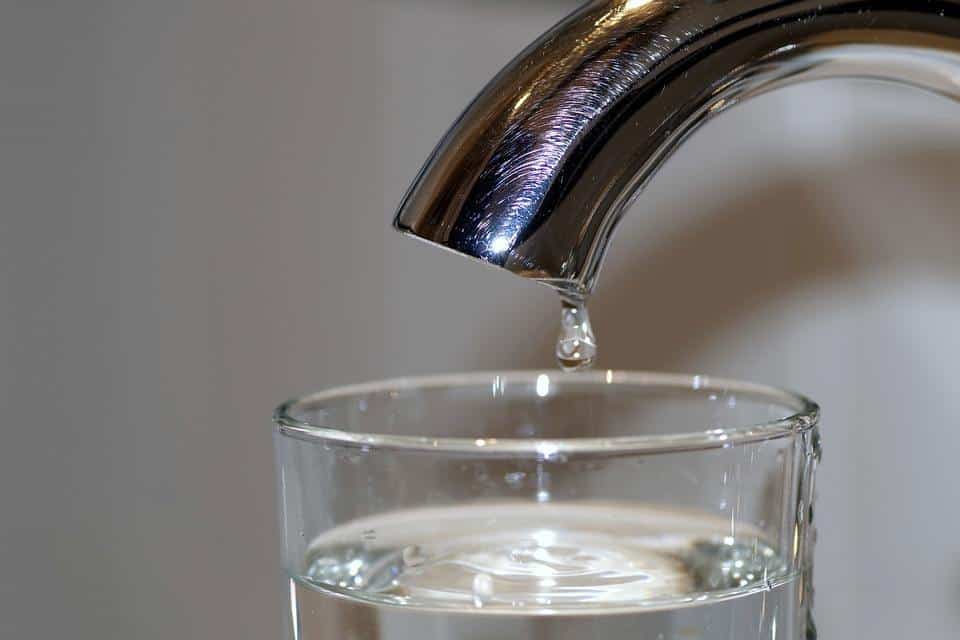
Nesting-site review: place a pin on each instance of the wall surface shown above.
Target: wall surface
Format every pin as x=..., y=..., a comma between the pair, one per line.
x=195, y=226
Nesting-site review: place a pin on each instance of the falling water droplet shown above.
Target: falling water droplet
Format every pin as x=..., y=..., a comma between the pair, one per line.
x=482, y=589
x=576, y=345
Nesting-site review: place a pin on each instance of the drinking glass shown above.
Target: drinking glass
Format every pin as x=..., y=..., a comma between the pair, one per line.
x=541, y=505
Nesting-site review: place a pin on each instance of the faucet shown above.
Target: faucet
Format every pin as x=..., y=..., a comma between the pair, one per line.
x=538, y=171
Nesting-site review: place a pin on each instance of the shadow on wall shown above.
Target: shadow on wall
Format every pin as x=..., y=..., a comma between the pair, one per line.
x=745, y=254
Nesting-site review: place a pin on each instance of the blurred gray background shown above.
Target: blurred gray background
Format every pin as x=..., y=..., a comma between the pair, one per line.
x=196, y=199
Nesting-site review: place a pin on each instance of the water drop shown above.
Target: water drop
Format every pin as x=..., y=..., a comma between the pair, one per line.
x=515, y=478
x=412, y=556
x=368, y=538
x=521, y=555
x=482, y=589
x=527, y=430
x=576, y=345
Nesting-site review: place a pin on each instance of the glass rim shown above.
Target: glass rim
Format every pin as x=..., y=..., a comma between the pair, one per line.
x=806, y=416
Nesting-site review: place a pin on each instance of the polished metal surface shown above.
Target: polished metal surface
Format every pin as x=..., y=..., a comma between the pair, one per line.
x=538, y=171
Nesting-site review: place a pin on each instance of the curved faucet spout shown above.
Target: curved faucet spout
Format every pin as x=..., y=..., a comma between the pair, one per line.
x=538, y=171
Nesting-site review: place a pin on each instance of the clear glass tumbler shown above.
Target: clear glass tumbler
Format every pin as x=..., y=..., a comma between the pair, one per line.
x=540, y=505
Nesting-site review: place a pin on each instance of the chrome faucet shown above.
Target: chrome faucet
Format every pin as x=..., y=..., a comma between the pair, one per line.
x=542, y=165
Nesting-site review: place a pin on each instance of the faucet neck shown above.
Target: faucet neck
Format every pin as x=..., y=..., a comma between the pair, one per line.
x=539, y=170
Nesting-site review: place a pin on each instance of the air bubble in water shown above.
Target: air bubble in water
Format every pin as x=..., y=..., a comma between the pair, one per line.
x=576, y=345
x=482, y=589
